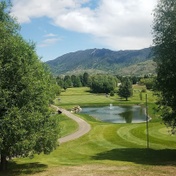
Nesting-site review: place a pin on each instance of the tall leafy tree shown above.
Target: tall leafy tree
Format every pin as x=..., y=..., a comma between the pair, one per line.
x=148, y=82
x=76, y=81
x=103, y=83
x=86, y=79
x=164, y=32
x=125, y=89
x=60, y=81
x=67, y=82
x=26, y=90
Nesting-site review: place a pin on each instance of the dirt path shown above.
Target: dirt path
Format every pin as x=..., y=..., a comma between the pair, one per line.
x=84, y=127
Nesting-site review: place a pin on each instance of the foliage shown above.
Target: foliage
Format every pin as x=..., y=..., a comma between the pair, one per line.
x=134, y=79
x=73, y=80
x=144, y=90
x=103, y=83
x=148, y=82
x=76, y=81
x=164, y=31
x=125, y=89
x=112, y=93
x=67, y=81
x=26, y=90
x=86, y=79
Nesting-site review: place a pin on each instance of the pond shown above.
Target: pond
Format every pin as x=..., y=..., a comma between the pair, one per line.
x=117, y=114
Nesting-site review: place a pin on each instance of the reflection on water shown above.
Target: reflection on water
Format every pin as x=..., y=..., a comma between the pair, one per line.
x=117, y=114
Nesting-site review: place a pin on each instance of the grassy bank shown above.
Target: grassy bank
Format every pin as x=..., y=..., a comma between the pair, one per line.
x=108, y=149
x=67, y=125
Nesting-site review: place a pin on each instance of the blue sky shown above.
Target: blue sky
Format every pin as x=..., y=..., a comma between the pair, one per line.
x=52, y=41
x=61, y=26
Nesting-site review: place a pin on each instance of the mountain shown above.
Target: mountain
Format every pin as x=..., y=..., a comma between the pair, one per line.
x=126, y=62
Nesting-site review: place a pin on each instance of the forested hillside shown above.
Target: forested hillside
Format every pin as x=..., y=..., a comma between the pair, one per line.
x=127, y=62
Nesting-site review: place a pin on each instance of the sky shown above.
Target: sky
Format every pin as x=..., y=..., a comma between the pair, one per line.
x=58, y=27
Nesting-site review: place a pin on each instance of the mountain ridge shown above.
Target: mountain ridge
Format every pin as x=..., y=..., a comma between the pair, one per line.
x=103, y=60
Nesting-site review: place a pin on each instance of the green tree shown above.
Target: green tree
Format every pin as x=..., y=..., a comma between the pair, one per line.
x=103, y=83
x=73, y=80
x=67, y=82
x=26, y=90
x=86, y=79
x=164, y=32
x=148, y=82
x=125, y=89
x=76, y=81
x=60, y=81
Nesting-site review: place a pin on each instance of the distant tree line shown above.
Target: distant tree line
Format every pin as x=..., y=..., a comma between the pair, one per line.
x=146, y=80
x=74, y=81
x=99, y=83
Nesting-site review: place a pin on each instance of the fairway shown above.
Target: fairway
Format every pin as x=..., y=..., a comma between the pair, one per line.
x=82, y=96
x=108, y=149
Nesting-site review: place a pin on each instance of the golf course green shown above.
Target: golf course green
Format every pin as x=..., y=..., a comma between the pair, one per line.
x=108, y=149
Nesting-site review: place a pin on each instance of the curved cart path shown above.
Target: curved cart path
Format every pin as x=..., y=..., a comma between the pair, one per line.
x=84, y=127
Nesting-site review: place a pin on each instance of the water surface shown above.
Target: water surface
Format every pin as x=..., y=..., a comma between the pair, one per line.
x=117, y=114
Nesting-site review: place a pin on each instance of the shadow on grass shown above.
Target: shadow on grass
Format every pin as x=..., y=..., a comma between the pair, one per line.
x=89, y=91
x=140, y=156
x=23, y=169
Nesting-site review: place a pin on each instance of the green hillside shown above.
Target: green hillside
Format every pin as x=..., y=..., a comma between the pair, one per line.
x=127, y=62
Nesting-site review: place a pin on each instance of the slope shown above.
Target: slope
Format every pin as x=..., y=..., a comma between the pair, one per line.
x=102, y=60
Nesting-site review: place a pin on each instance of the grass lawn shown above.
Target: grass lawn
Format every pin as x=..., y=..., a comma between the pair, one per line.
x=67, y=125
x=82, y=96
x=108, y=149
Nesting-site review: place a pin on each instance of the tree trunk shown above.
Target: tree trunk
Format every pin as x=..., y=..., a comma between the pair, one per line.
x=3, y=164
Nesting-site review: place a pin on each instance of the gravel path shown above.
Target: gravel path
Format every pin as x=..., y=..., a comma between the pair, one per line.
x=84, y=127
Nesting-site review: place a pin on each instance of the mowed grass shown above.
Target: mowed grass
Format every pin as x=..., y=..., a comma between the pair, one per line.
x=108, y=149
x=67, y=125
x=82, y=96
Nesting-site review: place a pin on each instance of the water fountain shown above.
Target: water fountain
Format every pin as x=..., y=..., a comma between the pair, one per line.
x=117, y=114
x=110, y=106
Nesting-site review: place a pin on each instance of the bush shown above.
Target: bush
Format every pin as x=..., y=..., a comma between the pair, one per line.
x=144, y=90
x=112, y=93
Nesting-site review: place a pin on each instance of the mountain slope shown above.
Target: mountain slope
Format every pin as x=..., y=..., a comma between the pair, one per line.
x=102, y=60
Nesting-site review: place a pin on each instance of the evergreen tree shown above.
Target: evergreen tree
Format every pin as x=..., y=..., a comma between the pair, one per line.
x=164, y=31
x=26, y=90
x=67, y=82
x=86, y=79
x=60, y=81
x=125, y=89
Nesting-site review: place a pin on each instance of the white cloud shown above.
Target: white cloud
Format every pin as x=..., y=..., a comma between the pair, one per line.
x=120, y=24
x=48, y=42
x=50, y=35
x=49, y=39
